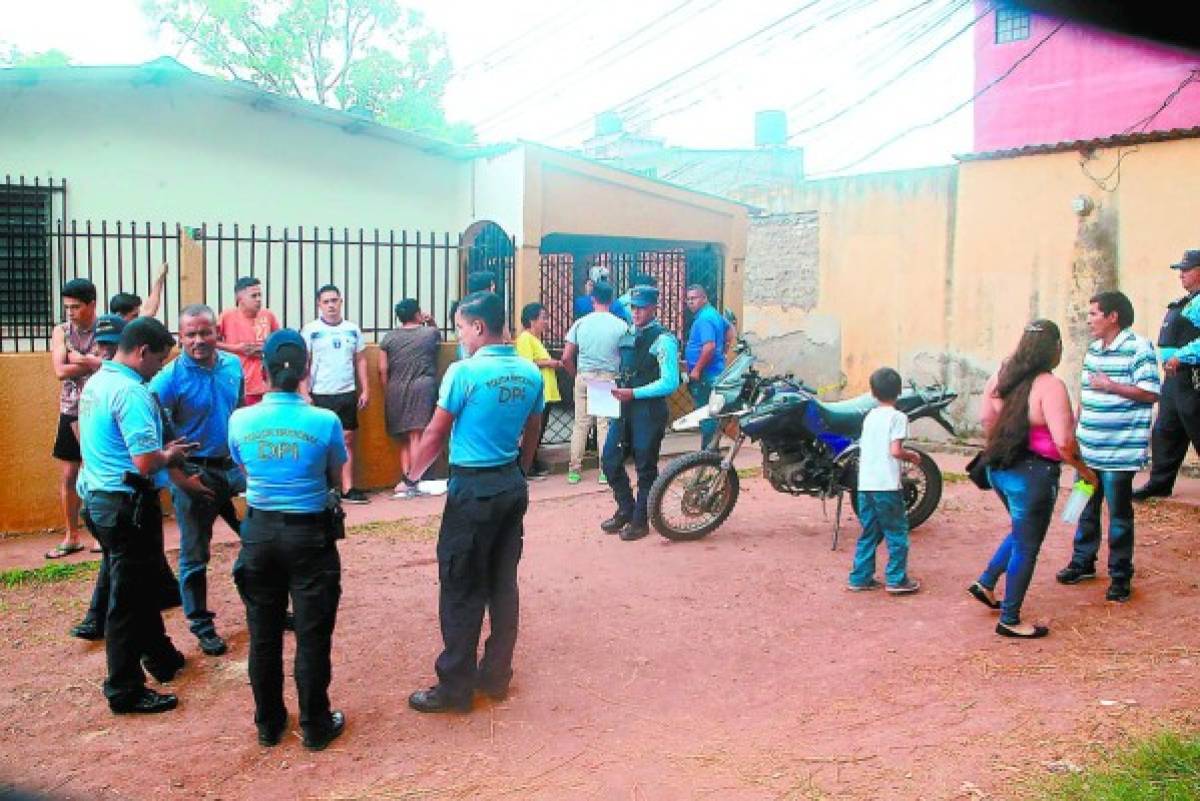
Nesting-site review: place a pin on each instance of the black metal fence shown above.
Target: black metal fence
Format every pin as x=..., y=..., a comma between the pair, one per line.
x=374, y=269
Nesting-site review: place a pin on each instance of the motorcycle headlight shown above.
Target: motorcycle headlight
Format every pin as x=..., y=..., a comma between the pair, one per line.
x=715, y=404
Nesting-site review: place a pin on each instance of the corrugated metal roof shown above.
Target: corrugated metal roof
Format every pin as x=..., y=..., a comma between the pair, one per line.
x=1118, y=140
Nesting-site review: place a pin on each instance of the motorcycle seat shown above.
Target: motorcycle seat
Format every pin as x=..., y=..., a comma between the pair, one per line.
x=846, y=417
x=908, y=401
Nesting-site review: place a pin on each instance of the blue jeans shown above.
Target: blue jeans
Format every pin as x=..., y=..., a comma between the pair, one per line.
x=1028, y=490
x=1116, y=486
x=700, y=392
x=195, y=518
x=638, y=432
x=883, y=517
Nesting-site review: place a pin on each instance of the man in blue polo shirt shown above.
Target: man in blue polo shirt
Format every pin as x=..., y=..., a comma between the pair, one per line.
x=704, y=354
x=487, y=404
x=1120, y=387
x=199, y=391
x=124, y=467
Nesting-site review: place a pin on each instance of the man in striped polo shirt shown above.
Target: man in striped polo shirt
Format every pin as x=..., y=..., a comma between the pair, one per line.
x=1119, y=389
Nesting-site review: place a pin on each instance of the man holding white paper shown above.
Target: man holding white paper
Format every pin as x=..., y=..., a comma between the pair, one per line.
x=592, y=354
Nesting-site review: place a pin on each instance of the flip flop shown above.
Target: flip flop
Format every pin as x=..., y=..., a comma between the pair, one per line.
x=95, y=549
x=979, y=593
x=62, y=550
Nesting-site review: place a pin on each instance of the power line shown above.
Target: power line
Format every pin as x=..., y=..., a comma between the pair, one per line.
x=703, y=62
x=555, y=22
x=901, y=74
x=957, y=108
x=619, y=47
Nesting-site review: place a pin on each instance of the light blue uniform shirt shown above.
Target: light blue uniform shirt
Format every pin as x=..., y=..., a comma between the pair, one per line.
x=286, y=447
x=490, y=396
x=666, y=351
x=118, y=419
x=200, y=400
x=1190, y=353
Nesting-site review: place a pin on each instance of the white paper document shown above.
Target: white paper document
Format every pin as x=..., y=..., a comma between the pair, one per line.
x=600, y=400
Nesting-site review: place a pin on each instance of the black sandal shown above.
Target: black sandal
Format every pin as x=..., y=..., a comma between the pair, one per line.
x=979, y=593
x=1038, y=632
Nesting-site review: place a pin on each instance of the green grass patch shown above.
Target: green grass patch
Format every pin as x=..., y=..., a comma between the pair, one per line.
x=749, y=472
x=48, y=574
x=423, y=529
x=1164, y=767
x=951, y=477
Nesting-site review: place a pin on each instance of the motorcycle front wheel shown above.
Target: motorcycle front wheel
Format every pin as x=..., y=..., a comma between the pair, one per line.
x=692, y=496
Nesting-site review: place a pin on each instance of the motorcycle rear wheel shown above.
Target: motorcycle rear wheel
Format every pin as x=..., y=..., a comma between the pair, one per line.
x=920, y=484
x=686, y=502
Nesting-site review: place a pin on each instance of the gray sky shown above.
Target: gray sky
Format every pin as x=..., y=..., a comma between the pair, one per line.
x=541, y=70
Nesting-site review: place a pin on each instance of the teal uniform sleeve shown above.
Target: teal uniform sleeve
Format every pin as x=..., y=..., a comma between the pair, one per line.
x=137, y=420
x=452, y=395
x=666, y=350
x=1190, y=353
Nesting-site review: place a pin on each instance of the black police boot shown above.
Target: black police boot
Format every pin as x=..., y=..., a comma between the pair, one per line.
x=1149, y=491
x=88, y=630
x=615, y=523
x=1119, y=590
x=435, y=699
x=318, y=741
x=634, y=531
x=270, y=734
x=148, y=703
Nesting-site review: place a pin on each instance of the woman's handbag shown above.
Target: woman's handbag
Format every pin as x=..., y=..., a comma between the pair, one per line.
x=977, y=472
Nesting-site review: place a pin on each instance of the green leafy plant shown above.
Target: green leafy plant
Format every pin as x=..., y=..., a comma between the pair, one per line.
x=1165, y=767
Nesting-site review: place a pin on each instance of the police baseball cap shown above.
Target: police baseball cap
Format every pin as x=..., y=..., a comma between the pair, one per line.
x=285, y=348
x=108, y=329
x=641, y=296
x=1190, y=260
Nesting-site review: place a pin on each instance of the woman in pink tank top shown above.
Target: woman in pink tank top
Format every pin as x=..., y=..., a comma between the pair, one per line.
x=1030, y=427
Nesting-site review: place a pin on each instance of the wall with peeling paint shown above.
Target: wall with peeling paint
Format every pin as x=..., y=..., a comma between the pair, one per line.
x=937, y=271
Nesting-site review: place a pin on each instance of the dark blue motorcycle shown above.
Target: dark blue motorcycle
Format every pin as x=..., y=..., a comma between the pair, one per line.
x=809, y=447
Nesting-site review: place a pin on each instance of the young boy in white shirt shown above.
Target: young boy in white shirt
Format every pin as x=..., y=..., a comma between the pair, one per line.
x=880, y=501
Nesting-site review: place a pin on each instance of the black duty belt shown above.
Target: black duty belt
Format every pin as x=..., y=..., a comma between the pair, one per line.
x=288, y=518
x=458, y=470
x=217, y=462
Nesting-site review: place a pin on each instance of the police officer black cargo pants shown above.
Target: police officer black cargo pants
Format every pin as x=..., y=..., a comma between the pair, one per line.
x=479, y=546
x=282, y=555
x=129, y=529
x=1175, y=429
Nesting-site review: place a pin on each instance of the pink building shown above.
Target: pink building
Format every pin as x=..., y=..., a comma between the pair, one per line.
x=1082, y=83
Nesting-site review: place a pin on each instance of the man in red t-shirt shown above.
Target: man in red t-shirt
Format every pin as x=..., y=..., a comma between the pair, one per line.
x=243, y=330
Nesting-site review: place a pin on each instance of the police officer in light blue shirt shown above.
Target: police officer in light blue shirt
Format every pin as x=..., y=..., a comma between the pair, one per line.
x=292, y=454
x=487, y=404
x=124, y=466
x=649, y=375
x=199, y=390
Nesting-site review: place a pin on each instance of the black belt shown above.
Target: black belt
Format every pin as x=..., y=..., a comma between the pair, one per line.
x=458, y=470
x=290, y=518
x=219, y=462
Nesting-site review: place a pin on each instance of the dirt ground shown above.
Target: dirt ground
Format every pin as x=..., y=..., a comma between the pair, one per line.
x=737, y=667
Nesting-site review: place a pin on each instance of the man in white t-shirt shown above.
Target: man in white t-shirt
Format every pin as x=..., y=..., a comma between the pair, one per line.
x=880, y=501
x=338, y=374
x=592, y=353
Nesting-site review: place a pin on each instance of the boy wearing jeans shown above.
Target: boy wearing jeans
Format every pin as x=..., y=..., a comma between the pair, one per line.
x=880, y=502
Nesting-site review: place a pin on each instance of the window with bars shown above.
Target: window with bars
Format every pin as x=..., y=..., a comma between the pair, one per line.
x=1012, y=24
x=26, y=303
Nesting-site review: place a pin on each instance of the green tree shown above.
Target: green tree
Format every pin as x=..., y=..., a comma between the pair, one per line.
x=373, y=55
x=12, y=57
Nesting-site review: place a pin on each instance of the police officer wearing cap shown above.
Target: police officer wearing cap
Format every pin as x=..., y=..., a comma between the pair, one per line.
x=1178, y=421
x=124, y=467
x=292, y=454
x=487, y=404
x=199, y=390
x=649, y=375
